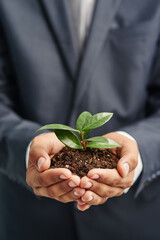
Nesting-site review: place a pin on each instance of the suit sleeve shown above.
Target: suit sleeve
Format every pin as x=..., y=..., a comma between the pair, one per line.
x=147, y=131
x=15, y=132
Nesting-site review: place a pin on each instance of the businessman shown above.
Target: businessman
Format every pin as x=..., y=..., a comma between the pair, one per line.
x=58, y=58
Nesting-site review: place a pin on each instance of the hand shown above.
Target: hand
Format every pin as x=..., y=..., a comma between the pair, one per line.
x=105, y=183
x=57, y=183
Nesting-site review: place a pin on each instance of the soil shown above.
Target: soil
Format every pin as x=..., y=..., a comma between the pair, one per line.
x=80, y=162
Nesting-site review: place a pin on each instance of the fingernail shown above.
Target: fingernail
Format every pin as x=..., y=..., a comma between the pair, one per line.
x=88, y=185
x=72, y=184
x=76, y=194
x=82, y=203
x=126, y=169
x=40, y=162
x=95, y=176
x=90, y=198
x=63, y=177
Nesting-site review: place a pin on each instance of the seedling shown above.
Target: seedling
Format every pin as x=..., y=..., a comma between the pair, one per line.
x=85, y=123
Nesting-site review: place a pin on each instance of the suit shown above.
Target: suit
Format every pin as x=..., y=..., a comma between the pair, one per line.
x=43, y=80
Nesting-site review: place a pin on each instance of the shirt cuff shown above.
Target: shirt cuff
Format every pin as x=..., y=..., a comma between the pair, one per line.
x=27, y=154
x=139, y=167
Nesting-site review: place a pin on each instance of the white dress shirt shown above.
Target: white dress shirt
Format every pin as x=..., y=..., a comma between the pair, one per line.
x=82, y=11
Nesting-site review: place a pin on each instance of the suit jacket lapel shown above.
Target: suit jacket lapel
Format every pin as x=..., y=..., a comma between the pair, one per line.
x=58, y=16
x=104, y=13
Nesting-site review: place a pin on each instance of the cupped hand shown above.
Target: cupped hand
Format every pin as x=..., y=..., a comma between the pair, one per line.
x=101, y=184
x=57, y=183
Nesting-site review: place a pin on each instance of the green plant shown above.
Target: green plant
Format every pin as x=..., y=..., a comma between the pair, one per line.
x=85, y=123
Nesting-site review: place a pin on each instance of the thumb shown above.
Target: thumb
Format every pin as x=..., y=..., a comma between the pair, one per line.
x=40, y=159
x=127, y=164
x=42, y=147
x=43, y=163
x=129, y=157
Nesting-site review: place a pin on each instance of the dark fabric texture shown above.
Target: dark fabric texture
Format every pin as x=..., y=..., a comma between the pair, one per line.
x=43, y=80
x=29, y=219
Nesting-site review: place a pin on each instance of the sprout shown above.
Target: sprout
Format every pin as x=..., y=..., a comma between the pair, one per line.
x=85, y=123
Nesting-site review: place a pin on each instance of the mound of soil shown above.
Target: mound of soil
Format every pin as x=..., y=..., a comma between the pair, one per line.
x=80, y=162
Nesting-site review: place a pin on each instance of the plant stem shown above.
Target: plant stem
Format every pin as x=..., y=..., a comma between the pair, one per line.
x=83, y=141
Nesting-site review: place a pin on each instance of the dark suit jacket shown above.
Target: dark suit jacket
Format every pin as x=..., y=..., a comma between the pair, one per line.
x=43, y=80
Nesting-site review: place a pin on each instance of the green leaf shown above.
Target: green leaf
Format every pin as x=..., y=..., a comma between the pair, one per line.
x=97, y=120
x=98, y=139
x=110, y=144
x=68, y=138
x=57, y=126
x=83, y=120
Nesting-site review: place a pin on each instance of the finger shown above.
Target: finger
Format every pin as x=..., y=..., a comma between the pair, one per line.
x=58, y=189
x=48, y=177
x=111, y=177
x=41, y=148
x=100, y=189
x=83, y=207
x=92, y=198
x=73, y=195
x=80, y=202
